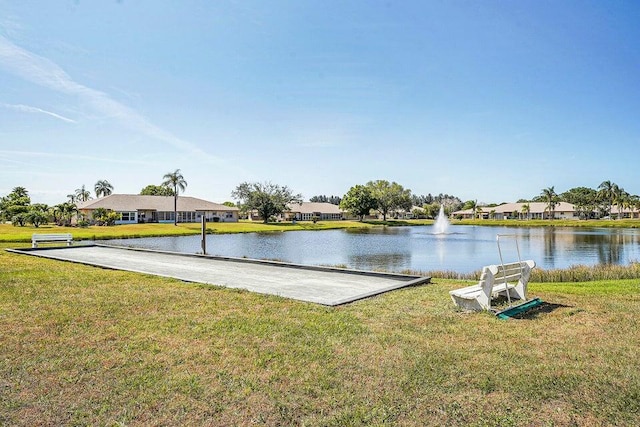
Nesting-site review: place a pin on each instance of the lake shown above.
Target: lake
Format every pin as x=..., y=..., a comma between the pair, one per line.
x=463, y=249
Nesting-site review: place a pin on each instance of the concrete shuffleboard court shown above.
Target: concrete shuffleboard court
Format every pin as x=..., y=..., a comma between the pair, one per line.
x=322, y=285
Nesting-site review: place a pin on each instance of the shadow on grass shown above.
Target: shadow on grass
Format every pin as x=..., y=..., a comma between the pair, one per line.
x=537, y=311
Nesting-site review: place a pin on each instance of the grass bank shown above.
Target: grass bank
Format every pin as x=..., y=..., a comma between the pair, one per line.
x=600, y=223
x=82, y=345
x=576, y=273
x=9, y=233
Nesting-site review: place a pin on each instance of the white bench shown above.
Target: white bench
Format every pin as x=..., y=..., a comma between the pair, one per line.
x=62, y=237
x=508, y=279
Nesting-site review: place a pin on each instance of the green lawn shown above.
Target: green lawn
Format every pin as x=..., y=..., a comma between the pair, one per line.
x=622, y=223
x=86, y=346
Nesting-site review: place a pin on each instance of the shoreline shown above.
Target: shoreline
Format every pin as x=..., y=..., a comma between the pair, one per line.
x=12, y=234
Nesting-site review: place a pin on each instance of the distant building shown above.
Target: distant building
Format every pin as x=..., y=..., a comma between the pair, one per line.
x=135, y=208
x=536, y=210
x=307, y=211
x=625, y=212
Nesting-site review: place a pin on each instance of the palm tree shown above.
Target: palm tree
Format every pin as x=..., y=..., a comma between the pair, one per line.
x=526, y=208
x=82, y=194
x=175, y=180
x=474, y=207
x=64, y=212
x=634, y=204
x=621, y=199
x=606, y=193
x=19, y=192
x=103, y=187
x=550, y=196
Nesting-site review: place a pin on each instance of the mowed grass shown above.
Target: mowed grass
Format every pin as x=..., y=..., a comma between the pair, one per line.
x=9, y=233
x=592, y=223
x=86, y=346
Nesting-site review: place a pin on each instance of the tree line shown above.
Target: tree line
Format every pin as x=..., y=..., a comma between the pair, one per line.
x=17, y=208
x=268, y=200
x=589, y=203
x=592, y=203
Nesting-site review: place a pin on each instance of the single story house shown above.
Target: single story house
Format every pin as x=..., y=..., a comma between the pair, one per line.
x=535, y=210
x=134, y=208
x=625, y=212
x=307, y=211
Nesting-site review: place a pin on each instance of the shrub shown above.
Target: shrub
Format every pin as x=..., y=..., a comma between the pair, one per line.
x=37, y=218
x=19, y=219
x=111, y=218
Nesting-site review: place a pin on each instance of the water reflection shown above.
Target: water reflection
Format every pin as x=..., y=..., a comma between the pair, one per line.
x=611, y=246
x=549, y=246
x=385, y=262
x=463, y=249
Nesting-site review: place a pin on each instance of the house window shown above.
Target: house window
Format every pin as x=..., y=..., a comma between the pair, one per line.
x=165, y=216
x=128, y=216
x=186, y=217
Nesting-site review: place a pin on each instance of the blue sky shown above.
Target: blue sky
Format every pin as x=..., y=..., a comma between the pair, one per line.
x=486, y=100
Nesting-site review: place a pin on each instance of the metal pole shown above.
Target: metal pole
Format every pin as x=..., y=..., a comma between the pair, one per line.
x=504, y=273
x=204, y=235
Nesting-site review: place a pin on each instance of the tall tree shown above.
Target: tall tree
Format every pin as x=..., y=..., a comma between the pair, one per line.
x=266, y=198
x=584, y=200
x=473, y=205
x=319, y=199
x=389, y=196
x=621, y=200
x=334, y=200
x=634, y=204
x=526, y=208
x=82, y=194
x=15, y=203
x=156, y=190
x=19, y=192
x=176, y=181
x=103, y=188
x=358, y=201
x=606, y=193
x=551, y=199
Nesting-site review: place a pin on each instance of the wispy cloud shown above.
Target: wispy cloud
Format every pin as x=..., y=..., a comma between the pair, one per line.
x=13, y=154
x=29, y=109
x=10, y=25
x=44, y=72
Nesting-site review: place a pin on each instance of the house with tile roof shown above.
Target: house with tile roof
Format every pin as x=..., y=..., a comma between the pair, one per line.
x=134, y=208
x=536, y=210
x=307, y=211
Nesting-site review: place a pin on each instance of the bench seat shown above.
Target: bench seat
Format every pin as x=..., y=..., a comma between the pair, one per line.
x=508, y=279
x=58, y=237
